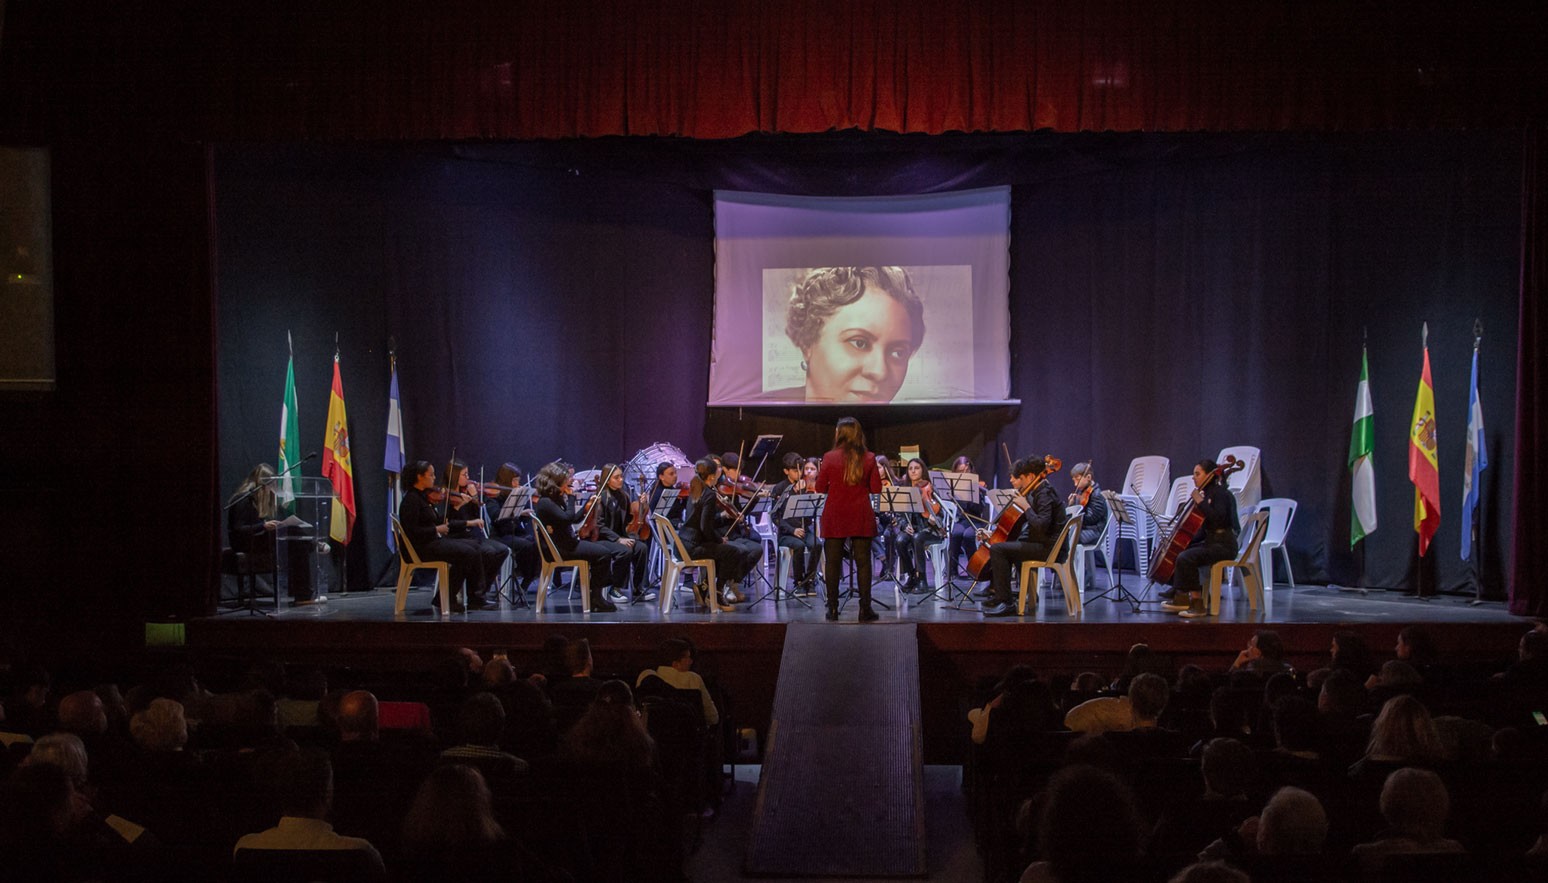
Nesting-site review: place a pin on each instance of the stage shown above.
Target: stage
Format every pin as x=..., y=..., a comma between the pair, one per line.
x=742, y=647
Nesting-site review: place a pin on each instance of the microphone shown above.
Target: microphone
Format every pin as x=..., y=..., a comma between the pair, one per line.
x=311, y=456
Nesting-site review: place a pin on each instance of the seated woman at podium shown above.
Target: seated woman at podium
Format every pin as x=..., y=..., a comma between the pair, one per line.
x=796, y=534
x=513, y=531
x=253, y=530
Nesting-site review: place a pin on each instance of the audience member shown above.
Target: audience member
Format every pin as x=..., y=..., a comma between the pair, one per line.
x=610, y=733
x=1414, y=804
x=1108, y=714
x=450, y=833
x=1351, y=653
x=578, y=688
x=1264, y=654
x=1403, y=735
x=1416, y=646
x=529, y=716
x=374, y=781
x=480, y=722
x=1145, y=738
x=1210, y=872
x=676, y=669
x=28, y=711
x=1293, y=823
x=304, y=782
x=1089, y=829
x=1188, y=825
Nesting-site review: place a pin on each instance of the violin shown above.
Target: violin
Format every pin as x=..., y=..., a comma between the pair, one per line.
x=588, y=529
x=1083, y=497
x=639, y=524
x=932, y=507
x=1010, y=519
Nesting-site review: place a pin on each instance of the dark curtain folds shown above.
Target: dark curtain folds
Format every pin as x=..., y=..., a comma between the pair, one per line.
x=477, y=69
x=1528, y=591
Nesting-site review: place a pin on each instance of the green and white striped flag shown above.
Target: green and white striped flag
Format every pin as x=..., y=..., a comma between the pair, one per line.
x=290, y=440
x=1362, y=471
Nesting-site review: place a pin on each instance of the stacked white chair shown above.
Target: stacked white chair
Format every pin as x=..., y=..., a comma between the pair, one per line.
x=1246, y=485
x=1147, y=479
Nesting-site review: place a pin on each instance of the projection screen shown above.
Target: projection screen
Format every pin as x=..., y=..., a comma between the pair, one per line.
x=861, y=301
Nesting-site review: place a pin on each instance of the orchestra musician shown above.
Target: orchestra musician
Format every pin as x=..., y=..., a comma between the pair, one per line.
x=794, y=533
x=554, y=488
x=1033, y=537
x=1216, y=542
x=1093, y=511
x=514, y=532
x=848, y=475
x=465, y=515
x=916, y=532
x=710, y=519
x=631, y=556
x=973, y=516
x=428, y=532
x=886, y=526
x=739, y=490
x=666, y=478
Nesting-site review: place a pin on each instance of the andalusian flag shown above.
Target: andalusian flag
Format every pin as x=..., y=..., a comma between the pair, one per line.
x=289, y=440
x=1362, y=470
x=1477, y=459
x=336, y=467
x=1423, y=470
x=394, y=457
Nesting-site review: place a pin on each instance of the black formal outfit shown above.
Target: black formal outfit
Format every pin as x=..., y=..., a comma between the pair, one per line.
x=704, y=533
x=1032, y=541
x=805, y=551
x=630, y=562
x=420, y=518
x=914, y=535
x=517, y=536
x=1216, y=542
x=560, y=521
x=964, y=532
x=246, y=534
x=676, y=512
x=492, y=553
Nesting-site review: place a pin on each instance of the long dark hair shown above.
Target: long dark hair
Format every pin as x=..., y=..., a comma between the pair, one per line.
x=850, y=438
x=550, y=479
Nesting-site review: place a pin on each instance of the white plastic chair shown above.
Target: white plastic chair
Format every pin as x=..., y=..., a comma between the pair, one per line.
x=1246, y=563
x=552, y=562
x=1143, y=533
x=406, y=570
x=1078, y=557
x=1064, y=570
x=676, y=561
x=1182, y=489
x=1281, y=512
x=1246, y=485
x=1147, y=479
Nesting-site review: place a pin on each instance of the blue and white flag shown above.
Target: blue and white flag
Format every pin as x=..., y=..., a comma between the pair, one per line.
x=392, y=461
x=1477, y=459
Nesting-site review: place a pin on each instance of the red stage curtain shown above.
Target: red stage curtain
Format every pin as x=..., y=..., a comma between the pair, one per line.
x=405, y=69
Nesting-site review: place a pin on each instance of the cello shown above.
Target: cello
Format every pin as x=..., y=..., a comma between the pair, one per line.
x=1010, y=517
x=1188, y=525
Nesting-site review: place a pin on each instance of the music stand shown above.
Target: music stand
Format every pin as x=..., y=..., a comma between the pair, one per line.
x=1117, y=591
x=517, y=504
x=960, y=488
x=796, y=506
x=998, y=499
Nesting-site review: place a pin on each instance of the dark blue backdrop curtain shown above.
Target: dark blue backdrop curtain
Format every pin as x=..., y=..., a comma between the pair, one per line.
x=1528, y=594
x=1170, y=295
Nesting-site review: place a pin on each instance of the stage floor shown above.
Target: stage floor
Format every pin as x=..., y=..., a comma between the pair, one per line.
x=1303, y=604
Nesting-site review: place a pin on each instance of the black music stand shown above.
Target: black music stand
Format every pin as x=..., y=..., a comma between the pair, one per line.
x=517, y=503
x=1118, y=592
x=849, y=590
x=796, y=506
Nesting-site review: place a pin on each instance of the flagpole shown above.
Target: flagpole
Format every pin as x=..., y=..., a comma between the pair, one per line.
x=1477, y=513
x=1424, y=346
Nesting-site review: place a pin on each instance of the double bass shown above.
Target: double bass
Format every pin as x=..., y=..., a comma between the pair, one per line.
x=1189, y=523
x=1010, y=517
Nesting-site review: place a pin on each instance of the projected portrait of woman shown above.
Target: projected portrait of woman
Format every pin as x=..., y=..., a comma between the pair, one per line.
x=856, y=328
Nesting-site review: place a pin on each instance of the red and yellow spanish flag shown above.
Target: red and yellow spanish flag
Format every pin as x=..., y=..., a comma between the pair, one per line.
x=1422, y=463
x=336, y=466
